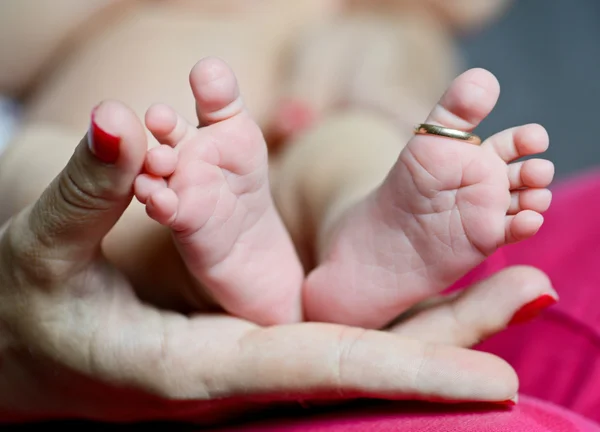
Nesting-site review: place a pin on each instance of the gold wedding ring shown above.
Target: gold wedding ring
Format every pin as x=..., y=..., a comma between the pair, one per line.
x=429, y=129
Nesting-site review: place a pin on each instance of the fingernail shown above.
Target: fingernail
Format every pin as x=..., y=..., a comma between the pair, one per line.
x=532, y=309
x=509, y=402
x=102, y=144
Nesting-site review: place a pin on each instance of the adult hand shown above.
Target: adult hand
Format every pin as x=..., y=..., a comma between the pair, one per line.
x=76, y=341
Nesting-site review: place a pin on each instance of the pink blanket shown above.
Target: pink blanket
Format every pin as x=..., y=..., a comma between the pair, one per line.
x=529, y=416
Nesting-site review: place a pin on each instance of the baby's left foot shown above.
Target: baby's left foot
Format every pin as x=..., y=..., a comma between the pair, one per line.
x=210, y=186
x=443, y=208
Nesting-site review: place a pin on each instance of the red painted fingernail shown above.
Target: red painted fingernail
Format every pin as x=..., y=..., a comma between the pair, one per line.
x=104, y=145
x=532, y=309
x=509, y=402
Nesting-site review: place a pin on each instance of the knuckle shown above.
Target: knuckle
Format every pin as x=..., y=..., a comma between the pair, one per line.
x=465, y=332
x=427, y=357
x=349, y=338
x=82, y=195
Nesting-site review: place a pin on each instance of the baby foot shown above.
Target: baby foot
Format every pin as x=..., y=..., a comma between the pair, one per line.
x=210, y=186
x=443, y=208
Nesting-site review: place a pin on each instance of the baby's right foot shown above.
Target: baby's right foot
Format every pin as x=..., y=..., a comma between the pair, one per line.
x=210, y=186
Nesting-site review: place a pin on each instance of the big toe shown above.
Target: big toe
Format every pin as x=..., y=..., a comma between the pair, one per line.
x=469, y=100
x=216, y=91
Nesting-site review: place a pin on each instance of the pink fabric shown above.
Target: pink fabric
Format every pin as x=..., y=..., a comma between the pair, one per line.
x=529, y=416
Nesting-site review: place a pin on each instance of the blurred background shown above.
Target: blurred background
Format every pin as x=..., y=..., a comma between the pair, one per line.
x=546, y=54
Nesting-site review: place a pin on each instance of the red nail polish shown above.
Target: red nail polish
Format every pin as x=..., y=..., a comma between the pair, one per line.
x=104, y=145
x=532, y=309
x=508, y=403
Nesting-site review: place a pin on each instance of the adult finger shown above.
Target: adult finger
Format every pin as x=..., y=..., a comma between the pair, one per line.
x=66, y=225
x=324, y=361
x=466, y=318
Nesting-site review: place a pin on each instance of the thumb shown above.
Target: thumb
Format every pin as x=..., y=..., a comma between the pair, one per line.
x=87, y=198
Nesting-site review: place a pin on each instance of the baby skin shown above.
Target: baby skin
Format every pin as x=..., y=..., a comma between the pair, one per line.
x=443, y=208
x=210, y=185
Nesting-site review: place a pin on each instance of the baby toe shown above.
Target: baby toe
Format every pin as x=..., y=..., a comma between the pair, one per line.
x=468, y=100
x=537, y=200
x=216, y=91
x=531, y=139
x=166, y=125
x=535, y=173
x=161, y=161
x=162, y=206
x=145, y=185
x=522, y=225
x=515, y=143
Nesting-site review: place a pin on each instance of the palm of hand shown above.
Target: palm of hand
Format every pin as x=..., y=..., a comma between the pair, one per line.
x=114, y=358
